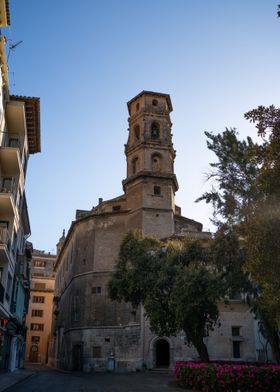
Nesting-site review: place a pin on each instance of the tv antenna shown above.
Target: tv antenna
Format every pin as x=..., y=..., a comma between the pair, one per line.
x=12, y=47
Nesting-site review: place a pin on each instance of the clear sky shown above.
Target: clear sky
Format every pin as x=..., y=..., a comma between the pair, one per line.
x=85, y=59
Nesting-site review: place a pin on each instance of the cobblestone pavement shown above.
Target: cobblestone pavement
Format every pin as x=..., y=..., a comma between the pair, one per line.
x=47, y=380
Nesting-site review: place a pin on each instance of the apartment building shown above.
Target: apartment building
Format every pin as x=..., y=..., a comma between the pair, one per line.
x=19, y=137
x=39, y=317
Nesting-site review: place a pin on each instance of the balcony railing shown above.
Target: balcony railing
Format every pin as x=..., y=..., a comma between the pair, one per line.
x=4, y=237
x=12, y=140
x=8, y=185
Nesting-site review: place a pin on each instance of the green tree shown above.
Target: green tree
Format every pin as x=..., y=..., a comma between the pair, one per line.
x=233, y=177
x=262, y=227
x=245, y=197
x=174, y=283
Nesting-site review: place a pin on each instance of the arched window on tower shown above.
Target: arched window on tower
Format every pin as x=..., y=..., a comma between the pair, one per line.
x=156, y=162
x=135, y=163
x=137, y=133
x=154, y=131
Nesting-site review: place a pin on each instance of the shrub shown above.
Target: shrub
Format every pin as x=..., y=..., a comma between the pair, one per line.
x=228, y=377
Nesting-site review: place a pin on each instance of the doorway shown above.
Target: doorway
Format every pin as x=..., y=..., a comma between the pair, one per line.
x=162, y=353
x=77, y=357
x=33, y=355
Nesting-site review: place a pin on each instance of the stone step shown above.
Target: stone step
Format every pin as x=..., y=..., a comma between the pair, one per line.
x=162, y=370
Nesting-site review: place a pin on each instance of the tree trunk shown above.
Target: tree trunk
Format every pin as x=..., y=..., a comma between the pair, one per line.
x=201, y=348
x=272, y=336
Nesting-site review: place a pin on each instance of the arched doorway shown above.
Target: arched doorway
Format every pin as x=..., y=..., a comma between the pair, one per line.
x=162, y=351
x=33, y=355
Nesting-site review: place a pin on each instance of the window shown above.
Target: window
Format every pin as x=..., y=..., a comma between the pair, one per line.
x=235, y=331
x=107, y=340
x=39, y=263
x=134, y=165
x=39, y=285
x=236, y=349
x=137, y=106
x=35, y=339
x=37, y=313
x=116, y=208
x=38, y=299
x=38, y=274
x=96, y=290
x=37, y=327
x=76, y=316
x=96, y=351
x=155, y=102
x=155, y=131
x=156, y=163
x=137, y=132
x=156, y=190
x=76, y=307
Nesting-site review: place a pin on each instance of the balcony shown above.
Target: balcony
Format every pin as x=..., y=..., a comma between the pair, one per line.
x=5, y=244
x=8, y=188
x=11, y=152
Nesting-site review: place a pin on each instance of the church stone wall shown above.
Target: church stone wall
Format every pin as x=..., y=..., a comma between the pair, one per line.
x=98, y=344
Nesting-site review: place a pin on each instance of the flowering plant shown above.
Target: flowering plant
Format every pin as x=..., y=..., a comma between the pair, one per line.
x=228, y=377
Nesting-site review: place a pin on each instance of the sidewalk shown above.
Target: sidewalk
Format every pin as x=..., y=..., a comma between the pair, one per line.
x=9, y=379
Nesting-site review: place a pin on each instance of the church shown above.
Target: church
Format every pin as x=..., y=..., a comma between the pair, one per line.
x=90, y=331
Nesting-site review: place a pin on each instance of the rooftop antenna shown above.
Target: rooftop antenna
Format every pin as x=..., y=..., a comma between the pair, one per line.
x=12, y=47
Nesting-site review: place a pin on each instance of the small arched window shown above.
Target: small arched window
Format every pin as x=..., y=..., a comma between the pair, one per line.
x=137, y=132
x=137, y=106
x=156, y=163
x=155, y=102
x=135, y=165
x=154, y=130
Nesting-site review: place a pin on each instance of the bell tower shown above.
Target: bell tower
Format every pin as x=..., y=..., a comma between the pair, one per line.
x=151, y=184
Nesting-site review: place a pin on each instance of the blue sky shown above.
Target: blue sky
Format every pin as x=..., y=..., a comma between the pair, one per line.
x=217, y=59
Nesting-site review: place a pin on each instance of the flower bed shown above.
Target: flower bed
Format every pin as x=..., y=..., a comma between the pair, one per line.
x=227, y=377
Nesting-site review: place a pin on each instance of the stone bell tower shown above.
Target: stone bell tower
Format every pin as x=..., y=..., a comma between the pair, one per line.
x=151, y=184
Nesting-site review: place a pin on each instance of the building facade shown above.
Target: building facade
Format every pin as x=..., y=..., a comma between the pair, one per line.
x=91, y=330
x=19, y=137
x=39, y=316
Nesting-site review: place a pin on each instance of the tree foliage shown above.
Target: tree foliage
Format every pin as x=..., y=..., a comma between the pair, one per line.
x=232, y=175
x=246, y=199
x=174, y=282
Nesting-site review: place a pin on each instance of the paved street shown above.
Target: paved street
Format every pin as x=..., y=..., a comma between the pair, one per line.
x=46, y=380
